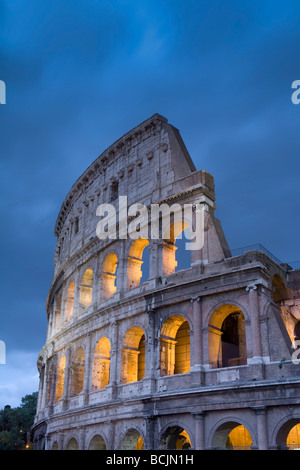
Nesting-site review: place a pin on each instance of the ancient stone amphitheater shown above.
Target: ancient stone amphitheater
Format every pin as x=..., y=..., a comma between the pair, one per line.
x=153, y=347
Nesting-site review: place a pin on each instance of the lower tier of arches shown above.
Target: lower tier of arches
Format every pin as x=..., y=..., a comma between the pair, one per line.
x=258, y=427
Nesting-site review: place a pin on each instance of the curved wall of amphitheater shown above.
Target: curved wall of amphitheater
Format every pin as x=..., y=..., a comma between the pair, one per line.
x=167, y=357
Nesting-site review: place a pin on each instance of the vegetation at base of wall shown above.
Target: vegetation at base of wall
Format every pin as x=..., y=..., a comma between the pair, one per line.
x=15, y=424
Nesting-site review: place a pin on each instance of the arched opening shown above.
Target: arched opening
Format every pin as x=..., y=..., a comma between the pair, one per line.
x=136, y=257
x=58, y=311
x=72, y=444
x=279, y=289
x=293, y=438
x=175, y=346
x=101, y=364
x=97, y=443
x=86, y=288
x=175, y=254
x=232, y=436
x=77, y=372
x=288, y=437
x=227, y=337
x=55, y=445
x=60, y=379
x=108, y=276
x=175, y=438
x=69, y=304
x=133, y=355
x=132, y=441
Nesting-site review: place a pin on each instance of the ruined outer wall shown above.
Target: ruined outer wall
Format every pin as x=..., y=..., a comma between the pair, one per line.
x=150, y=164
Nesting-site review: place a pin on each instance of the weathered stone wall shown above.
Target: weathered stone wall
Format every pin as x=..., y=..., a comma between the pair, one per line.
x=112, y=371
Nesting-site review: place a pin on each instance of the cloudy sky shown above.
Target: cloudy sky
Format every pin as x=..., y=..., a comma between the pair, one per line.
x=80, y=74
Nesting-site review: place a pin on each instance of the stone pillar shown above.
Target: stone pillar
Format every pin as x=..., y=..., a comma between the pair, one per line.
x=88, y=366
x=255, y=322
x=197, y=351
x=121, y=282
x=262, y=427
x=45, y=386
x=199, y=430
x=81, y=443
x=113, y=382
x=149, y=439
x=151, y=364
x=53, y=384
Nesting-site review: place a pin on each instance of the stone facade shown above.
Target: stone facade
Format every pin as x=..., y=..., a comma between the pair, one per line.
x=199, y=357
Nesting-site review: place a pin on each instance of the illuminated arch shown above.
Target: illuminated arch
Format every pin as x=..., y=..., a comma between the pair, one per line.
x=232, y=435
x=175, y=438
x=133, y=355
x=173, y=240
x=108, y=276
x=86, y=288
x=60, y=378
x=101, y=364
x=69, y=303
x=132, y=440
x=135, y=261
x=175, y=346
x=288, y=436
x=77, y=372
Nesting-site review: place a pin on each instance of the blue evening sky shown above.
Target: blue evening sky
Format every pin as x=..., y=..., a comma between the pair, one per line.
x=80, y=74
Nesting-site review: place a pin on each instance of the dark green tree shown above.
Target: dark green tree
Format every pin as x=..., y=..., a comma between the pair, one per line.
x=15, y=424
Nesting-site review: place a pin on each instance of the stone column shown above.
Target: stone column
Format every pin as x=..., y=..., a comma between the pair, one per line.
x=255, y=322
x=149, y=439
x=199, y=430
x=53, y=384
x=262, y=427
x=87, y=369
x=121, y=282
x=151, y=364
x=113, y=381
x=45, y=387
x=197, y=359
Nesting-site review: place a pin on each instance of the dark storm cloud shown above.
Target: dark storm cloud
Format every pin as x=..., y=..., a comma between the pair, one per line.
x=81, y=74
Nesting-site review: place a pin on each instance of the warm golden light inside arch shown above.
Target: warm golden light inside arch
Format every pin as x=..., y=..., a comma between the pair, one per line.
x=86, y=288
x=101, y=364
x=132, y=441
x=69, y=304
x=77, y=372
x=60, y=379
x=108, y=276
x=135, y=261
x=293, y=438
x=232, y=435
x=175, y=346
x=133, y=355
x=169, y=249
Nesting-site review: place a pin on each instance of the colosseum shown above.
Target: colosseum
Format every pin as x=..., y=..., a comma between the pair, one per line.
x=153, y=346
